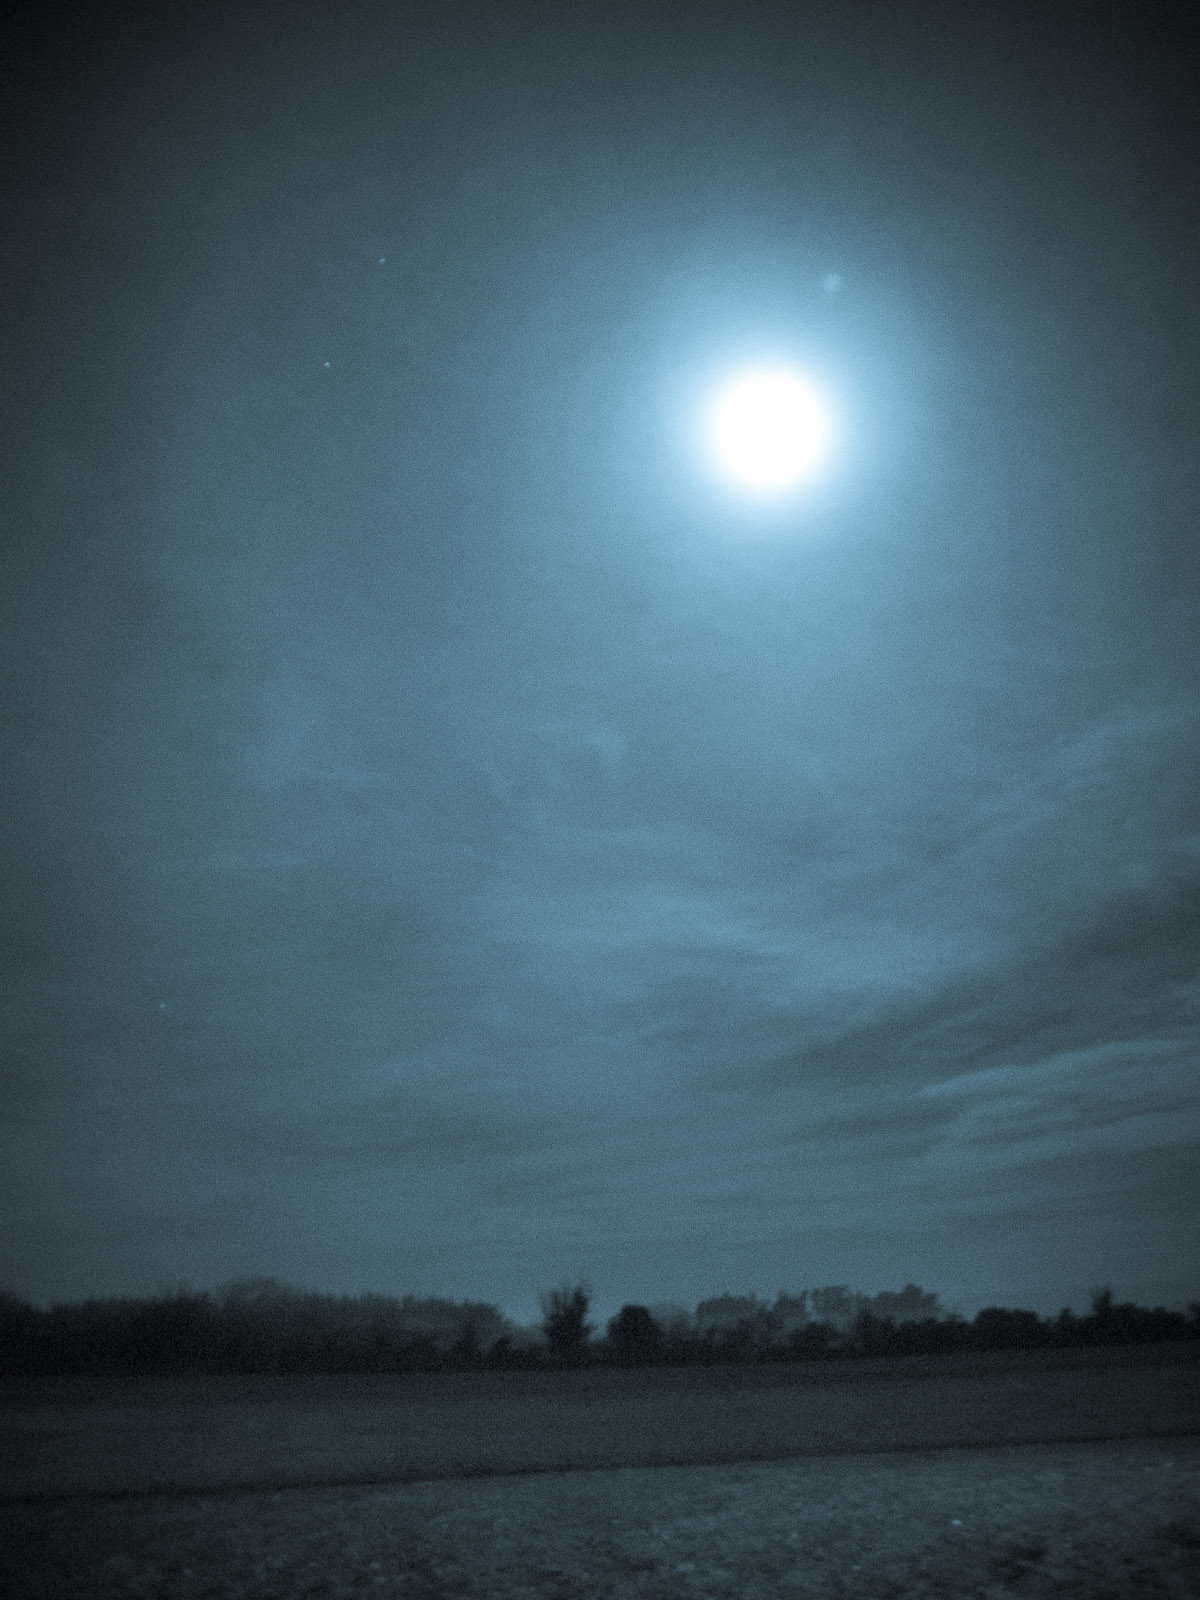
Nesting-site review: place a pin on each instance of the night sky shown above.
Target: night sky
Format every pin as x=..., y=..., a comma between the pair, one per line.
x=456, y=841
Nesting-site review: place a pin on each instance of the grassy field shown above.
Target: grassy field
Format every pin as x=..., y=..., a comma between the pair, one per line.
x=106, y=1436
x=1072, y=1475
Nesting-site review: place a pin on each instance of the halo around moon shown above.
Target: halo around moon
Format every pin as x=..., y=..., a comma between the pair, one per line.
x=769, y=430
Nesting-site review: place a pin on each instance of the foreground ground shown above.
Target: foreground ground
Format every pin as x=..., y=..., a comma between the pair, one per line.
x=110, y=1436
x=1094, y=1521
x=1033, y=1476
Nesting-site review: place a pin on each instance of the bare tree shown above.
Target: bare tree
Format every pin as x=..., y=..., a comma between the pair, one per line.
x=565, y=1324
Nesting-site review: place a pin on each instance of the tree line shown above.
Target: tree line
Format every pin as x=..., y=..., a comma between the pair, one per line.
x=262, y=1326
x=823, y=1323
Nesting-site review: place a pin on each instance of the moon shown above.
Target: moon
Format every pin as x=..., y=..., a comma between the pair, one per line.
x=769, y=430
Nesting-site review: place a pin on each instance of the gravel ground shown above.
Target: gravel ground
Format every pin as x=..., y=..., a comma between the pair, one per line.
x=1092, y=1521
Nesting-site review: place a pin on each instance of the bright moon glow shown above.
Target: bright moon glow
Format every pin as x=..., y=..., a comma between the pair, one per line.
x=769, y=431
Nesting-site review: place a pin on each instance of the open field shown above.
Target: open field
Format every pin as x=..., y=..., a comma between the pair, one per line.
x=1094, y=1521
x=1021, y=1476
x=78, y=1436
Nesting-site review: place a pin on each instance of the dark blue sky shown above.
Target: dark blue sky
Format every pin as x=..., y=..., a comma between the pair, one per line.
x=455, y=843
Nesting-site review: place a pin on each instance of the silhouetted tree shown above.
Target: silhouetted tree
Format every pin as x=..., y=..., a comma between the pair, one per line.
x=20, y=1326
x=812, y=1342
x=741, y=1327
x=745, y=1341
x=467, y=1348
x=911, y=1304
x=836, y=1304
x=565, y=1324
x=1069, y=1329
x=263, y=1326
x=790, y=1311
x=930, y=1336
x=873, y=1335
x=634, y=1337
x=501, y=1353
x=996, y=1328
x=1102, y=1304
